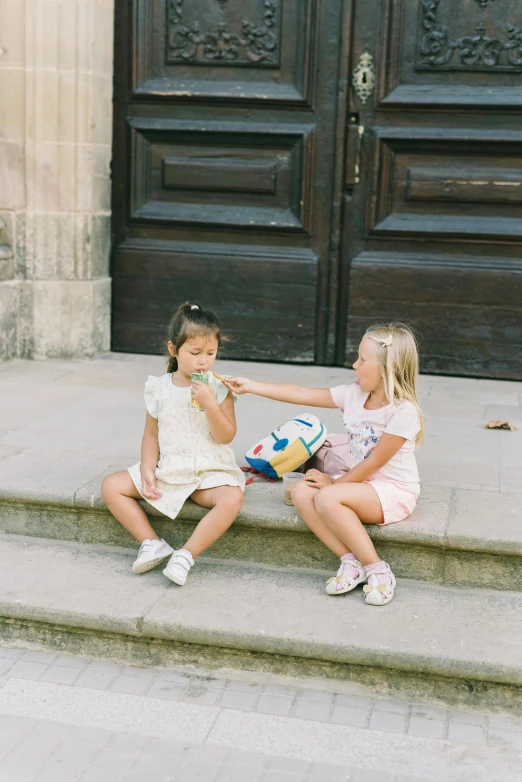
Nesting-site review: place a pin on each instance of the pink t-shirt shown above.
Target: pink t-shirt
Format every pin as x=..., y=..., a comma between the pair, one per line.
x=365, y=428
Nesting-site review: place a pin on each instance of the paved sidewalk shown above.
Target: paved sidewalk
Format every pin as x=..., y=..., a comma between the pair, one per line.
x=65, y=718
x=63, y=423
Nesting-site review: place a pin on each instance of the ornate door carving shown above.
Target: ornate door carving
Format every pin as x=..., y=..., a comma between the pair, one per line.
x=227, y=156
x=433, y=230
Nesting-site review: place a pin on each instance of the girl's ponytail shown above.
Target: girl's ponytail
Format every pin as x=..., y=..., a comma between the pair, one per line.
x=172, y=364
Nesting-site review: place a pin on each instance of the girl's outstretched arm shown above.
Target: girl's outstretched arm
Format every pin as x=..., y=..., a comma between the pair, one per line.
x=282, y=392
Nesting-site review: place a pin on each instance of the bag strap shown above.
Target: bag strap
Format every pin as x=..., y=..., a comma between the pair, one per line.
x=256, y=474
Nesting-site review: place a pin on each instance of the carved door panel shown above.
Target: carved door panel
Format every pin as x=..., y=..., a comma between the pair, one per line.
x=433, y=229
x=225, y=165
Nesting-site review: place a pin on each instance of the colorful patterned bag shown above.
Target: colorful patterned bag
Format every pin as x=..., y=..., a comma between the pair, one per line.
x=287, y=447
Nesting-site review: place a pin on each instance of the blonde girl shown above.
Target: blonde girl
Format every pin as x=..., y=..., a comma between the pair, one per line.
x=184, y=452
x=380, y=484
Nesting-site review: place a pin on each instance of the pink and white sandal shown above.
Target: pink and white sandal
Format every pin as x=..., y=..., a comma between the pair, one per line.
x=342, y=582
x=376, y=594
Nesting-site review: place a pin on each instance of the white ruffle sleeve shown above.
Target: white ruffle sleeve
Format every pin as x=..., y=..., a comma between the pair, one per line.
x=152, y=394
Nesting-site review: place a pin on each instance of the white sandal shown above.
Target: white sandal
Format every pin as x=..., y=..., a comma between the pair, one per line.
x=379, y=594
x=178, y=566
x=341, y=583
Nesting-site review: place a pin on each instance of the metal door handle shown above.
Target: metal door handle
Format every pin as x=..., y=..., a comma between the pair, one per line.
x=352, y=174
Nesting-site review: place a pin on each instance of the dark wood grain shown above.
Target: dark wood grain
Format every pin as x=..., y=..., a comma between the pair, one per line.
x=228, y=141
x=433, y=231
x=248, y=174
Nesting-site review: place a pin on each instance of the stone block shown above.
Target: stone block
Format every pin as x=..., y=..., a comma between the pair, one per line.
x=101, y=154
x=12, y=104
x=199, y=693
x=27, y=670
x=101, y=314
x=54, y=248
x=84, y=37
x=134, y=685
x=238, y=699
x=67, y=35
x=103, y=38
x=9, y=305
x=289, y=765
x=349, y=715
x=12, y=25
x=453, y=455
x=191, y=770
x=100, y=246
x=60, y=674
x=312, y=710
x=39, y=657
x=154, y=766
x=19, y=243
x=480, y=520
x=273, y=704
x=326, y=772
x=465, y=733
x=387, y=721
x=17, y=766
x=69, y=318
x=170, y=691
x=426, y=728
x=73, y=176
x=239, y=774
x=12, y=174
x=45, y=38
x=42, y=128
x=101, y=111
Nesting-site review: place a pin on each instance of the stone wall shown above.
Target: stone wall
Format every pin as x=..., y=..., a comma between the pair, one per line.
x=56, y=68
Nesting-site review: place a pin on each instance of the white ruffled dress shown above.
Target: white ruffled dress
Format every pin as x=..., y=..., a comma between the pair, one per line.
x=190, y=458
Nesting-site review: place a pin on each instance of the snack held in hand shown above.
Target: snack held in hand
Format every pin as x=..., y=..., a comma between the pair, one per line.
x=203, y=377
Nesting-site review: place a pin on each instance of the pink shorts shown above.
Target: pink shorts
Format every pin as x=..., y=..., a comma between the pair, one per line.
x=397, y=503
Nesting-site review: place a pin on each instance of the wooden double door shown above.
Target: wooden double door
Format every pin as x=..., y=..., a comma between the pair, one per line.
x=308, y=167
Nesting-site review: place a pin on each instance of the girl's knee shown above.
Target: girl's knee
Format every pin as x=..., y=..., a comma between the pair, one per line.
x=301, y=493
x=108, y=486
x=325, y=499
x=117, y=483
x=231, y=497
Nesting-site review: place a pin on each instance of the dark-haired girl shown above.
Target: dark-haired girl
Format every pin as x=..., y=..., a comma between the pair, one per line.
x=184, y=452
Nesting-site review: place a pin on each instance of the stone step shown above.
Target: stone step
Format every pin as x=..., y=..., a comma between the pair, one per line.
x=52, y=590
x=454, y=537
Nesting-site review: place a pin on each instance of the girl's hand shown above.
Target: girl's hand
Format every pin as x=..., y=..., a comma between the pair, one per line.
x=148, y=485
x=239, y=385
x=317, y=480
x=204, y=395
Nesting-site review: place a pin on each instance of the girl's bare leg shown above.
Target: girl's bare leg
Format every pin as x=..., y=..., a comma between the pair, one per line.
x=303, y=497
x=225, y=502
x=345, y=508
x=120, y=494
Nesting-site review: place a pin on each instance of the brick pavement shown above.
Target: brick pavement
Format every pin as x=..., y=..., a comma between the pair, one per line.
x=33, y=749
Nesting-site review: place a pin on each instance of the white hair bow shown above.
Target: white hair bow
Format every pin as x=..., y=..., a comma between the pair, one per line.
x=387, y=341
